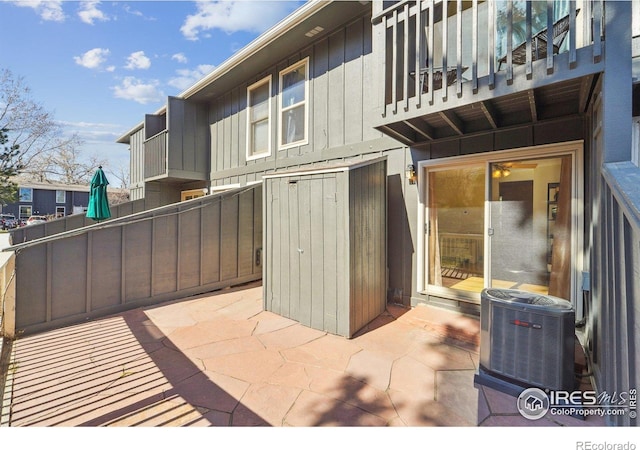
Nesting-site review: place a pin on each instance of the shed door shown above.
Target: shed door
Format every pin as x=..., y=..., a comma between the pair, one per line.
x=303, y=243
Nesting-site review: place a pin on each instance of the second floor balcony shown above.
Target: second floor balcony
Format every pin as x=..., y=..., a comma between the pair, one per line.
x=442, y=59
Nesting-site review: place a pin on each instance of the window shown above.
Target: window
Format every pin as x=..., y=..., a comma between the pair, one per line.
x=25, y=211
x=25, y=194
x=258, y=123
x=61, y=196
x=293, y=105
x=60, y=210
x=191, y=194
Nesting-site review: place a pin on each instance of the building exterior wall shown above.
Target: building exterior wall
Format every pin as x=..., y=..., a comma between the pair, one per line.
x=340, y=80
x=45, y=201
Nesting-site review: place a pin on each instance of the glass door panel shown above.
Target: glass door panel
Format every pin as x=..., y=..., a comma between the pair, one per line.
x=530, y=225
x=455, y=227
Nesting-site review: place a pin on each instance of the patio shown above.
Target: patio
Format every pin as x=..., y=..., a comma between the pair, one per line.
x=220, y=360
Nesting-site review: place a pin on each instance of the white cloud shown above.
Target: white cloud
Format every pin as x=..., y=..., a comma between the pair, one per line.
x=89, y=12
x=139, y=91
x=132, y=11
x=93, y=59
x=187, y=77
x=138, y=60
x=50, y=10
x=91, y=132
x=180, y=58
x=235, y=15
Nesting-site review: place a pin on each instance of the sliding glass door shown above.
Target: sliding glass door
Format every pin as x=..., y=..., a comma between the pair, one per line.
x=456, y=226
x=501, y=223
x=530, y=225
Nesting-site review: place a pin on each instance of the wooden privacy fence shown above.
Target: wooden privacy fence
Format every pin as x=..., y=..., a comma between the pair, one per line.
x=162, y=254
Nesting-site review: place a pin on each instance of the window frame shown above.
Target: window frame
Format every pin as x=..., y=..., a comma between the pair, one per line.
x=250, y=153
x=59, y=194
x=20, y=195
x=27, y=208
x=282, y=109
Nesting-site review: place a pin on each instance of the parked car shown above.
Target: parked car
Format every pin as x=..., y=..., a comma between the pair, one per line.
x=8, y=221
x=36, y=219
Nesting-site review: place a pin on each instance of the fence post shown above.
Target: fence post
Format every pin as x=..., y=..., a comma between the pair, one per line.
x=8, y=298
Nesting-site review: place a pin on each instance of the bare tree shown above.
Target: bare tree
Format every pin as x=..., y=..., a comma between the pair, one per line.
x=63, y=165
x=119, y=176
x=46, y=154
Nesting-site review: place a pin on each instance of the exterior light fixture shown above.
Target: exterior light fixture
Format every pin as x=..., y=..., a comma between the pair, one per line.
x=411, y=174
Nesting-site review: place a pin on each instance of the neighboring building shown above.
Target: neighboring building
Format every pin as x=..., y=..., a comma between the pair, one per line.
x=48, y=199
x=56, y=199
x=520, y=170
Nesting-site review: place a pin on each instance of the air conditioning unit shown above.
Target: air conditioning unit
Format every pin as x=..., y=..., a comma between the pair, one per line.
x=527, y=339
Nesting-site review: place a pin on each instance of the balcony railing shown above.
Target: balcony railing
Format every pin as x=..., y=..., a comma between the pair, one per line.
x=435, y=51
x=155, y=155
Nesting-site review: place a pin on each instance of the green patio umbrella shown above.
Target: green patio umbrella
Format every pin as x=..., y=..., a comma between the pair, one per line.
x=98, y=202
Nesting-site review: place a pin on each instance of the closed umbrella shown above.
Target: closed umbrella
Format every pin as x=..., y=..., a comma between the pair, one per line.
x=98, y=202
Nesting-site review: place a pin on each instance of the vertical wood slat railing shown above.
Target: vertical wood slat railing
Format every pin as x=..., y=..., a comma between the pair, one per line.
x=155, y=155
x=412, y=27
x=618, y=296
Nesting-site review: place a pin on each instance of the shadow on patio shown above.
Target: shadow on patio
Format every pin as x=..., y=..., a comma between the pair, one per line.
x=220, y=360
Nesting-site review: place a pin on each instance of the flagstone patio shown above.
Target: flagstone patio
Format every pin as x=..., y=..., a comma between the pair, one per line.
x=220, y=360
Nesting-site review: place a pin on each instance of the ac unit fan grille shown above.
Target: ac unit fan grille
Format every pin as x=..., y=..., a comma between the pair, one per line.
x=524, y=346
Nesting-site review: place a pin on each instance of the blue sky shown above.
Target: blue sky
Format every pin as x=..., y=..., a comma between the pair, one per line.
x=100, y=66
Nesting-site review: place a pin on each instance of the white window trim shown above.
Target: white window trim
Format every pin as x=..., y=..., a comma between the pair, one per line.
x=249, y=155
x=30, y=195
x=64, y=197
x=30, y=209
x=305, y=140
x=575, y=148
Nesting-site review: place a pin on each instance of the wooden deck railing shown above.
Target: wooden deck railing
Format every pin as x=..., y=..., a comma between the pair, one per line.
x=477, y=44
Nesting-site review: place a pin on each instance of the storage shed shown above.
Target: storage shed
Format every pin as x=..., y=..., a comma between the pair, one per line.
x=325, y=245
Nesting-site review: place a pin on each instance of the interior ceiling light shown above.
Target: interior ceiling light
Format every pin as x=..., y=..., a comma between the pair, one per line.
x=500, y=171
x=313, y=32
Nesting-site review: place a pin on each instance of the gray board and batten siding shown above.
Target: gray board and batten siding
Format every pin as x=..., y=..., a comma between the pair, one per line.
x=163, y=254
x=325, y=242
x=341, y=94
